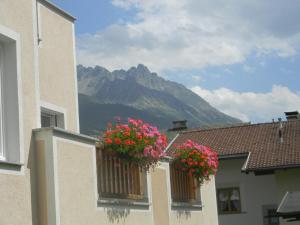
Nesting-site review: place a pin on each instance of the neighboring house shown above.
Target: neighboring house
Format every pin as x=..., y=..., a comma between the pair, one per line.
x=49, y=173
x=259, y=163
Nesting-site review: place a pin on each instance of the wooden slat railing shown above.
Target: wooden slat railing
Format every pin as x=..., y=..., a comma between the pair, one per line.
x=117, y=179
x=183, y=187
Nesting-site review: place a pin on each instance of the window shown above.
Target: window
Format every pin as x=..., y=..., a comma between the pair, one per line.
x=229, y=200
x=50, y=118
x=119, y=180
x=184, y=188
x=270, y=217
x=10, y=98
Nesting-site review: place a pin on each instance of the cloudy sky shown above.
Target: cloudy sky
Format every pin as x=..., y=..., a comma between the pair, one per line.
x=241, y=56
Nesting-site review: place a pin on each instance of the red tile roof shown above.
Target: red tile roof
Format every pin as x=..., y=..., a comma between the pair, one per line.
x=262, y=140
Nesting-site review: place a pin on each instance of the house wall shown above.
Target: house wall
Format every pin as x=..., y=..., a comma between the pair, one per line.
x=78, y=195
x=57, y=66
x=287, y=180
x=68, y=167
x=255, y=192
x=17, y=204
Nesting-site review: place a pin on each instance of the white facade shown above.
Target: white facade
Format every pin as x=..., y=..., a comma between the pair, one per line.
x=256, y=193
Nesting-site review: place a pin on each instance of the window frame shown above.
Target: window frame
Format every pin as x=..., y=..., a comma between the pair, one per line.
x=221, y=212
x=11, y=101
x=54, y=110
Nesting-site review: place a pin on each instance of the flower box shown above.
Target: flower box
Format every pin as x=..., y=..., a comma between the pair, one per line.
x=196, y=160
x=135, y=142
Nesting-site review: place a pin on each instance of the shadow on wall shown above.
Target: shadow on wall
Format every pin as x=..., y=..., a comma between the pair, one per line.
x=117, y=214
x=31, y=165
x=183, y=214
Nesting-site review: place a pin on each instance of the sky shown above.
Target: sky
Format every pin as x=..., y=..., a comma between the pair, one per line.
x=243, y=57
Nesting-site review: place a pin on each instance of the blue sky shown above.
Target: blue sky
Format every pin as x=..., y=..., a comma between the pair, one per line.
x=241, y=56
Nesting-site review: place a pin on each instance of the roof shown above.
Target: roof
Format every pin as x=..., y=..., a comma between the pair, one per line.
x=58, y=10
x=261, y=140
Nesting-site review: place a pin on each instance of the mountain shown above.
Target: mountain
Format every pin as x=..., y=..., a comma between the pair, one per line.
x=139, y=93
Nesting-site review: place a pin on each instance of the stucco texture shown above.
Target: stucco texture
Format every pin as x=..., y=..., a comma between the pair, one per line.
x=78, y=195
x=255, y=192
x=56, y=64
x=17, y=202
x=77, y=191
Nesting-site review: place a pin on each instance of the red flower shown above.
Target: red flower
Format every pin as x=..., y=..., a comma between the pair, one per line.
x=108, y=141
x=198, y=161
x=129, y=142
x=126, y=134
x=118, y=141
x=133, y=139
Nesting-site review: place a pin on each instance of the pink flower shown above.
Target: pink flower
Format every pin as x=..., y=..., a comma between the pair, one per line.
x=154, y=154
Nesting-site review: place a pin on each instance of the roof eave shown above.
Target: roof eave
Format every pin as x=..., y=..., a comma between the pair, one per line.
x=279, y=167
x=58, y=10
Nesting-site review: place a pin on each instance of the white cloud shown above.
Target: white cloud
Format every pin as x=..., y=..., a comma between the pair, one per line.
x=192, y=34
x=257, y=107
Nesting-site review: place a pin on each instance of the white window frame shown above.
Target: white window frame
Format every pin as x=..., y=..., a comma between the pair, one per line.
x=11, y=115
x=55, y=110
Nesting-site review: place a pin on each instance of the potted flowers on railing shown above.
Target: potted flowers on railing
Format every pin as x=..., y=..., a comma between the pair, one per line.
x=135, y=142
x=196, y=160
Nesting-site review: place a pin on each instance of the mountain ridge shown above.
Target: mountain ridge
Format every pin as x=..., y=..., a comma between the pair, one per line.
x=144, y=91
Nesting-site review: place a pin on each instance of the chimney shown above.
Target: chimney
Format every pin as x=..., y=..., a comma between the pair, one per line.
x=280, y=131
x=293, y=115
x=179, y=125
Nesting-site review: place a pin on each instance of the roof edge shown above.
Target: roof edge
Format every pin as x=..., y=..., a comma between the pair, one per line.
x=229, y=126
x=280, y=167
x=234, y=156
x=58, y=10
x=171, y=143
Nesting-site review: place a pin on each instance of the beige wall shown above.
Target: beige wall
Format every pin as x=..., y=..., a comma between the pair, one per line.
x=57, y=71
x=18, y=205
x=78, y=196
x=17, y=202
x=287, y=180
x=74, y=188
x=207, y=216
x=78, y=191
x=160, y=200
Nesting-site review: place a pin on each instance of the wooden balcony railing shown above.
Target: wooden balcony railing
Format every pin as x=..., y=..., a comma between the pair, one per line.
x=117, y=179
x=183, y=187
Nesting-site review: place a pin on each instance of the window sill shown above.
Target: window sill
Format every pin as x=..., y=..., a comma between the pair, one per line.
x=9, y=167
x=187, y=205
x=232, y=213
x=4, y=162
x=113, y=202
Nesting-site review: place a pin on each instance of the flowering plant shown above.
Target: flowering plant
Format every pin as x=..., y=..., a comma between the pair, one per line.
x=196, y=160
x=135, y=141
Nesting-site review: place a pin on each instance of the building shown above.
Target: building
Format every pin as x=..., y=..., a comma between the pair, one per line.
x=49, y=173
x=259, y=163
